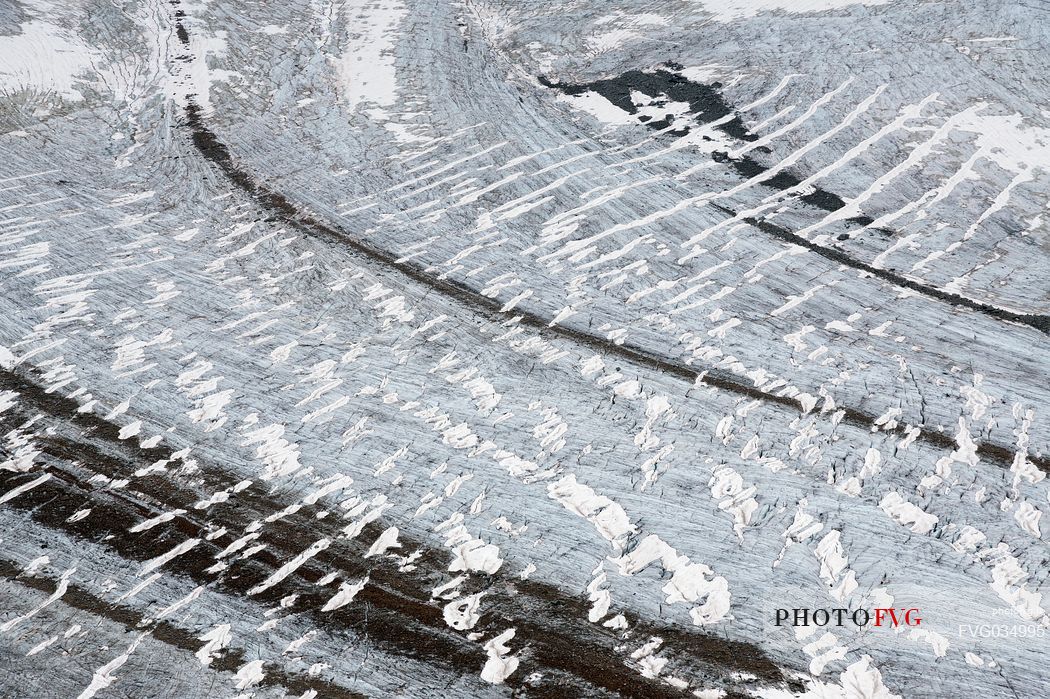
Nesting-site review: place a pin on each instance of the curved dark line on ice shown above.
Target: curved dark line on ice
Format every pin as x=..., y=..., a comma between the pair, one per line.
x=709, y=106
x=135, y=621
x=205, y=140
x=1039, y=322
x=394, y=610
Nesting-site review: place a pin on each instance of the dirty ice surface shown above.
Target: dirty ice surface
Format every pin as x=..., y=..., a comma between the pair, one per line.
x=480, y=349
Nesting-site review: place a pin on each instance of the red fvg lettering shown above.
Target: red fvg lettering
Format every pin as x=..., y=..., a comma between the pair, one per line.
x=906, y=617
